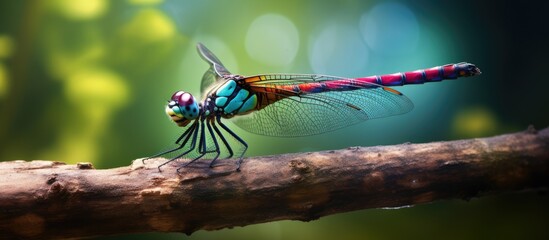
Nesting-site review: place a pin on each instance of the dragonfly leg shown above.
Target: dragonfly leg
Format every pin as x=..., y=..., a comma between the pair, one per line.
x=187, y=164
x=208, y=124
x=202, y=148
x=218, y=132
x=186, y=134
x=218, y=119
x=191, y=148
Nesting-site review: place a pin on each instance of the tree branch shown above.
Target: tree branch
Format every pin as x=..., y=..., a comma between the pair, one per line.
x=44, y=199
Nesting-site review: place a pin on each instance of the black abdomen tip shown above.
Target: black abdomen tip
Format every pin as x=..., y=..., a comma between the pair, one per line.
x=467, y=69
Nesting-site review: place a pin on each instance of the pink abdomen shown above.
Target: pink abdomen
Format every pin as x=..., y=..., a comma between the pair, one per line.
x=435, y=74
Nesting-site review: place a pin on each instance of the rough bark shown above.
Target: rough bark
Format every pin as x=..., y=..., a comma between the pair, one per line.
x=45, y=199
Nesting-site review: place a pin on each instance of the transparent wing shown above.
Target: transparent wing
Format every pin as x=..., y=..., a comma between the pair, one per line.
x=210, y=78
x=209, y=57
x=216, y=71
x=315, y=113
x=287, y=79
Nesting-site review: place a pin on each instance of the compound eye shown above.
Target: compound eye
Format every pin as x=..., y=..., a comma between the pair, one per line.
x=185, y=99
x=177, y=95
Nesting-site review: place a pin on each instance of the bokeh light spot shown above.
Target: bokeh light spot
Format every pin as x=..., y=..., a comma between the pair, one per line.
x=97, y=87
x=82, y=9
x=6, y=46
x=338, y=50
x=63, y=64
x=475, y=122
x=390, y=28
x=272, y=39
x=150, y=25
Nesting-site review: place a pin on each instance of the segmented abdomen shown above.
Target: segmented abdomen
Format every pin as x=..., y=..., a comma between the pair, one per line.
x=435, y=74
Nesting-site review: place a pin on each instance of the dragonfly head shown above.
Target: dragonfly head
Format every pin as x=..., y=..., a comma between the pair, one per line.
x=182, y=108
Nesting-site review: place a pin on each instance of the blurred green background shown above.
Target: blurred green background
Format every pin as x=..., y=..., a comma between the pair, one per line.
x=87, y=80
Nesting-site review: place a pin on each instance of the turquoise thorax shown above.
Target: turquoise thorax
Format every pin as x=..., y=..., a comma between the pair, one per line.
x=227, y=89
x=238, y=102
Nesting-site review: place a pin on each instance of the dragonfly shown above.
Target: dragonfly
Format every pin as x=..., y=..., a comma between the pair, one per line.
x=285, y=105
